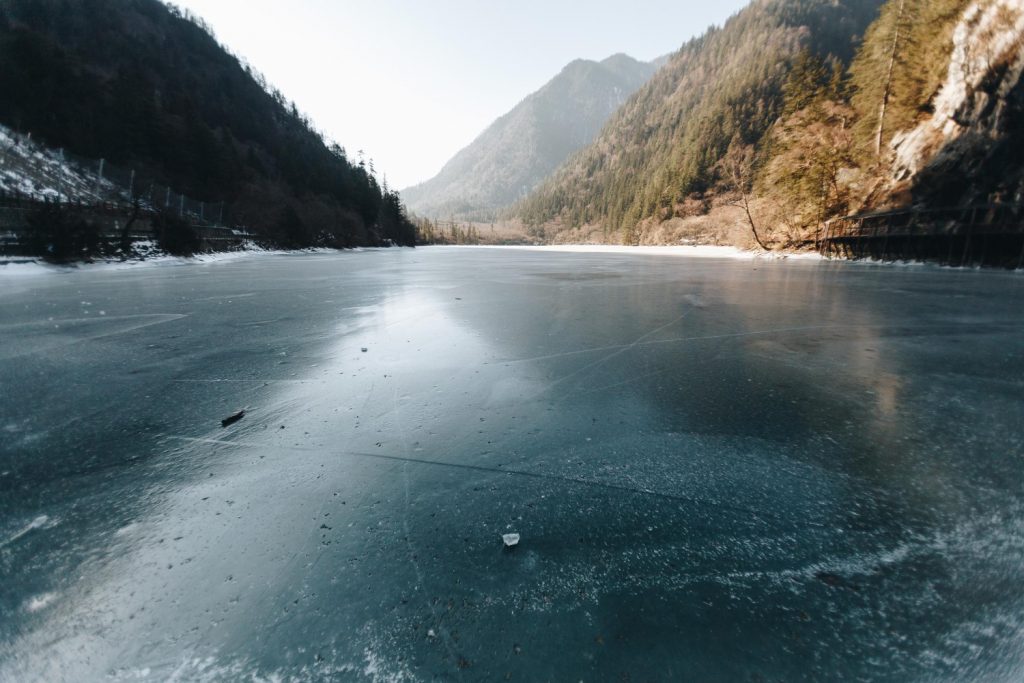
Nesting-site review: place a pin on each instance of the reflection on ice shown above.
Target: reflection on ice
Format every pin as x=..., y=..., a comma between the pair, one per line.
x=703, y=458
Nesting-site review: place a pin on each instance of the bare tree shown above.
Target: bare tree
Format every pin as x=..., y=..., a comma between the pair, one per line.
x=738, y=165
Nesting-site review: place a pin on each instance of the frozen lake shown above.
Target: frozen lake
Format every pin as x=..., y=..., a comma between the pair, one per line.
x=719, y=470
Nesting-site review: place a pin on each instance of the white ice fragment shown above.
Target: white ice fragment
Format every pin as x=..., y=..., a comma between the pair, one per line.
x=127, y=529
x=431, y=633
x=40, y=602
x=40, y=522
x=511, y=540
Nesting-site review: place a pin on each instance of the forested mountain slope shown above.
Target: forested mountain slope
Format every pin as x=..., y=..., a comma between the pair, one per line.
x=660, y=155
x=525, y=145
x=138, y=83
x=931, y=114
x=786, y=118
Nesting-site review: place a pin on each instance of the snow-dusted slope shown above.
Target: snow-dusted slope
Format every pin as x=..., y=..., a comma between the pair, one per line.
x=41, y=173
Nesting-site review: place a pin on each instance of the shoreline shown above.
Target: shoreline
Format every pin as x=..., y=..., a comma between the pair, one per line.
x=689, y=250
x=28, y=265
x=31, y=265
x=724, y=253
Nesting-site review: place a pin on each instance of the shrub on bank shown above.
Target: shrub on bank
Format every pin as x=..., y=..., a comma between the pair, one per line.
x=60, y=235
x=175, y=235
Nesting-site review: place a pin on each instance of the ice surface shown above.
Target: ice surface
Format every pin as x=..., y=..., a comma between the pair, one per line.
x=724, y=469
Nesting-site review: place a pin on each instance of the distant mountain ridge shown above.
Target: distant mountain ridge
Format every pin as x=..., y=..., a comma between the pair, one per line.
x=521, y=148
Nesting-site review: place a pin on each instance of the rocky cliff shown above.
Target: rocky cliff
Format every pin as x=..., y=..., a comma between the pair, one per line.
x=968, y=149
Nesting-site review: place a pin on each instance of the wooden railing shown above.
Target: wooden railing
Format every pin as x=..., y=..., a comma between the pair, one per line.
x=16, y=200
x=990, y=234
x=15, y=209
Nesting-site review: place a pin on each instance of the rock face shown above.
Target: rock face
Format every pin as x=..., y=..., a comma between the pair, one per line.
x=964, y=151
x=524, y=146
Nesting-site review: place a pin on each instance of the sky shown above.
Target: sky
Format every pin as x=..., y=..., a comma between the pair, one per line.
x=411, y=82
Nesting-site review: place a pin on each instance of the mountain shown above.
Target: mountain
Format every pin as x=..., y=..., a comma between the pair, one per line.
x=661, y=155
x=525, y=145
x=147, y=87
x=799, y=111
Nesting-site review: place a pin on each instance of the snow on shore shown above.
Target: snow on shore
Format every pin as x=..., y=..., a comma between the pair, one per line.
x=691, y=251
x=28, y=266
x=23, y=265
x=717, y=252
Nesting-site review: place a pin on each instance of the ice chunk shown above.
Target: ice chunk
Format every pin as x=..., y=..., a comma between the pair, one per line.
x=40, y=602
x=511, y=540
x=232, y=419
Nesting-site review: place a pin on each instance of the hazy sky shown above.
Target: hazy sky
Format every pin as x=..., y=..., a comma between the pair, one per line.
x=413, y=81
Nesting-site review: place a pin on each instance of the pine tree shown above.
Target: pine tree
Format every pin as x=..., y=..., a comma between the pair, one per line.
x=887, y=87
x=898, y=69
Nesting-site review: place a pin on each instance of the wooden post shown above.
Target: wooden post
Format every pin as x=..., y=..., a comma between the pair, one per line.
x=967, y=244
x=99, y=178
x=60, y=176
x=885, y=242
x=910, y=242
x=873, y=244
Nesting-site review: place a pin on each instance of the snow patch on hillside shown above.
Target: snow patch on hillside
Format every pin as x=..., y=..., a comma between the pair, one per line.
x=40, y=173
